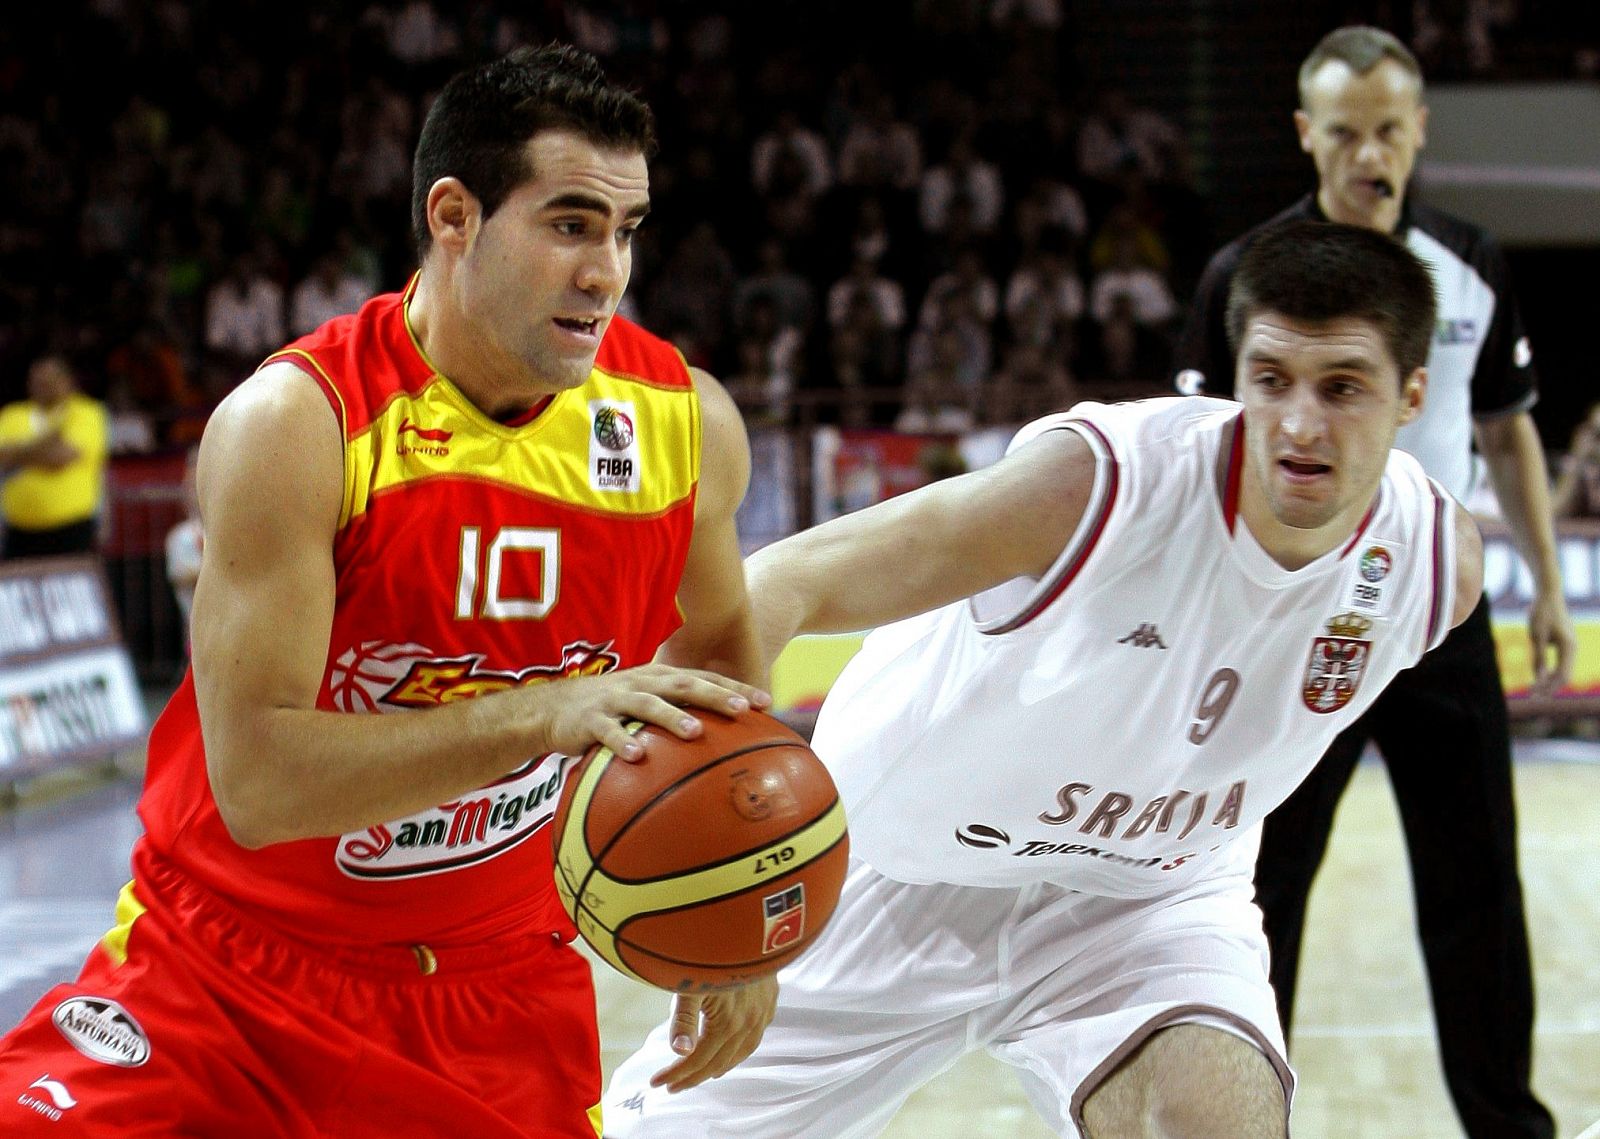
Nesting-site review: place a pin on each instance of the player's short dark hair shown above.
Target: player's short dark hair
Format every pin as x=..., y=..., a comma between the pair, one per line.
x=479, y=125
x=1320, y=271
x=1361, y=48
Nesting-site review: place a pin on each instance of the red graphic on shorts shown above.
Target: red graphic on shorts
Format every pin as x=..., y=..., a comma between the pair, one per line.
x=431, y=434
x=375, y=845
x=786, y=918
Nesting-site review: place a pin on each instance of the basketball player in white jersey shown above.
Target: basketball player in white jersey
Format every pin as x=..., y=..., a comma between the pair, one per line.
x=1111, y=654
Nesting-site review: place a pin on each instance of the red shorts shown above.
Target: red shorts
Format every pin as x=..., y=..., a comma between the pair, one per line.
x=213, y=1026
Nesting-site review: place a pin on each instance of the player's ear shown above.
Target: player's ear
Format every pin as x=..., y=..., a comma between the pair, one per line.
x=1413, y=394
x=1302, y=127
x=453, y=213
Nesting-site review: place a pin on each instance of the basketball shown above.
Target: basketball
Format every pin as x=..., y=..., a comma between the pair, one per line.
x=710, y=863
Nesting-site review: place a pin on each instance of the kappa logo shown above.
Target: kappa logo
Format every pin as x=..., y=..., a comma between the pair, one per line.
x=102, y=1030
x=635, y=1102
x=1146, y=636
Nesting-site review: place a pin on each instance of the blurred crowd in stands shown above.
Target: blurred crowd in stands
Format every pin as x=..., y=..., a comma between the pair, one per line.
x=903, y=213
x=918, y=218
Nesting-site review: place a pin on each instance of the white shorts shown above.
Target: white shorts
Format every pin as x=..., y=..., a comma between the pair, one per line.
x=907, y=979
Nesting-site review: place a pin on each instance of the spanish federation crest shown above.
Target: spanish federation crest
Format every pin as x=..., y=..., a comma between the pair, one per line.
x=1337, y=662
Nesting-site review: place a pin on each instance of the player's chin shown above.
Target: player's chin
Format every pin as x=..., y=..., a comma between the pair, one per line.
x=1303, y=511
x=567, y=372
x=1307, y=519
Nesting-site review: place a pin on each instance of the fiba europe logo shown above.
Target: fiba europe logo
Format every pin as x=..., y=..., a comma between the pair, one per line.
x=613, y=429
x=1375, y=564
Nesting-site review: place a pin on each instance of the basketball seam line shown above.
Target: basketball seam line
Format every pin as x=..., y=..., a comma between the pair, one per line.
x=597, y=856
x=616, y=932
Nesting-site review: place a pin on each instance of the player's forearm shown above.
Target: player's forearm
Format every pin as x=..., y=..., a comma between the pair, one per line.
x=15, y=456
x=844, y=577
x=801, y=585
x=1516, y=465
x=725, y=644
x=925, y=549
x=280, y=774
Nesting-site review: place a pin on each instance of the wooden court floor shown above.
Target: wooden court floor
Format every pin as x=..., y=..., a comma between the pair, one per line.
x=1364, y=1047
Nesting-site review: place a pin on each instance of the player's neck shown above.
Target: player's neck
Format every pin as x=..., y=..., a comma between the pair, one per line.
x=1294, y=547
x=455, y=350
x=1246, y=502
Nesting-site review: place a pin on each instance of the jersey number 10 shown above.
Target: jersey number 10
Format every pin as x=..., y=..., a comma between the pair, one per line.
x=488, y=567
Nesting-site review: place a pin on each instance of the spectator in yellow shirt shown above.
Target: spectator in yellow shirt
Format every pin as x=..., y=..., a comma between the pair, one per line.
x=52, y=456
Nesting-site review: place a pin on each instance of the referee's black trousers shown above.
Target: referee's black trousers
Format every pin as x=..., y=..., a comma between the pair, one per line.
x=1443, y=732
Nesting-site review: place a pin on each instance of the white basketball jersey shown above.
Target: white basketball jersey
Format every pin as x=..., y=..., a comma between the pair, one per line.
x=1119, y=725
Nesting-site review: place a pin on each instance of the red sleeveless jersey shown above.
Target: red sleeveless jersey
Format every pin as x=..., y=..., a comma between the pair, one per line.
x=471, y=557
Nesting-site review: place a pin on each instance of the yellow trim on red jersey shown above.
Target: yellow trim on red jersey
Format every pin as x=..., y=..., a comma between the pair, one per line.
x=439, y=433
x=129, y=910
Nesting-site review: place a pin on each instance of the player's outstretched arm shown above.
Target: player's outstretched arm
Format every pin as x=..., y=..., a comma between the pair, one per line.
x=919, y=551
x=271, y=484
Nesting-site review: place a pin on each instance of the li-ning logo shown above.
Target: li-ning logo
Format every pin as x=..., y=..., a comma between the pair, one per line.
x=102, y=1030
x=59, y=1096
x=1146, y=636
x=56, y=1090
x=613, y=430
x=430, y=440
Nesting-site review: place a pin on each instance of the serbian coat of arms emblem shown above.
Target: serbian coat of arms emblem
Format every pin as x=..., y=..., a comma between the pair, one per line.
x=1337, y=661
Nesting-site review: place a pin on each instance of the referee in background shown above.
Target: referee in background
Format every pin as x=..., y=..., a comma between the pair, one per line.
x=1441, y=726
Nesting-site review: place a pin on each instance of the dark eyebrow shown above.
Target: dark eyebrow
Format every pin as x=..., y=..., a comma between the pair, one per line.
x=1358, y=364
x=589, y=203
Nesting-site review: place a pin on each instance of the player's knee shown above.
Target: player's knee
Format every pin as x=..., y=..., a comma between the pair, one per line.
x=1190, y=1080
x=1211, y=1082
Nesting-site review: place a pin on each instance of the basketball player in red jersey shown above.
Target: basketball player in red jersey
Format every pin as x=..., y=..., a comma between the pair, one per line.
x=485, y=499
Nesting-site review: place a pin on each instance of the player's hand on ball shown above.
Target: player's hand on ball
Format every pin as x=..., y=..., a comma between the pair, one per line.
x=579, y=712
x=715, y=1032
